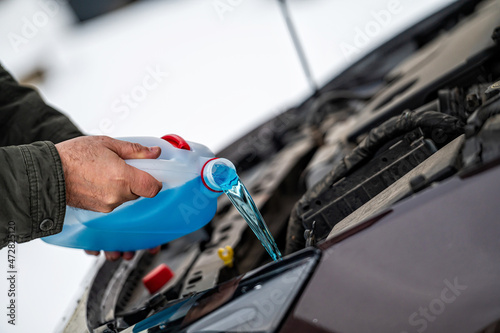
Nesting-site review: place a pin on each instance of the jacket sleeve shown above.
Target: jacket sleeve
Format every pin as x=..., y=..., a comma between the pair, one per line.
x=32, y=187
x=33, y=192
x=25, y=118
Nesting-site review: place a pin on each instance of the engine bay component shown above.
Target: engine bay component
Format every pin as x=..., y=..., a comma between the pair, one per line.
x=477, y=119
x=483, y=147
x=254, y=302
x=226, y=254
x=349, y=193
x=462, y=53
x=157, y=278
x=439, y=166
x=335, y=197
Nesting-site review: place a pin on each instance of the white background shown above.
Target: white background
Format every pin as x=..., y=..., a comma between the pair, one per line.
x=226, y=72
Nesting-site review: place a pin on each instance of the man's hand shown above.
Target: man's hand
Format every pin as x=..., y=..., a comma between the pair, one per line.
x=97, y=177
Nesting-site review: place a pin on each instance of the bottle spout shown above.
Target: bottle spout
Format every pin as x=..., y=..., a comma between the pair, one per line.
x=219, y=174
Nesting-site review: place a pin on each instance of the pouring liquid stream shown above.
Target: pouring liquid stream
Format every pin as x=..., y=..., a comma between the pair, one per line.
x=238, y=194
x=241, y=199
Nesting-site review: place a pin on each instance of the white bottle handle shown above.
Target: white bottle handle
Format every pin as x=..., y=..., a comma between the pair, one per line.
x=174, y=167
x=171, y=173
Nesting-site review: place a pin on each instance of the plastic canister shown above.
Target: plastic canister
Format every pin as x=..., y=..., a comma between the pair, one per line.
x=185, y=203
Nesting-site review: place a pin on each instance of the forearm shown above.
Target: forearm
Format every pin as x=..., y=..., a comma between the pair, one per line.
x=32, y=191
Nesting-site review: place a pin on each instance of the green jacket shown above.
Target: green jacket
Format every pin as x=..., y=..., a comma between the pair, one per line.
x=32, y=187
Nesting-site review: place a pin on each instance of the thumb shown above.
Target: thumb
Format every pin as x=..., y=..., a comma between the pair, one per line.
x=129, y=150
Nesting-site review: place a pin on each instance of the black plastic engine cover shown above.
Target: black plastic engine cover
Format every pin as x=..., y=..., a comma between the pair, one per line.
x=351, y=192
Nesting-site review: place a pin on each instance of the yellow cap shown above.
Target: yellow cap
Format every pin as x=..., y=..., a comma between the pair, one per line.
x=226, y=254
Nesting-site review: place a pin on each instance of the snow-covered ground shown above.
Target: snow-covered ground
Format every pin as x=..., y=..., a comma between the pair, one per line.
x=208, y=70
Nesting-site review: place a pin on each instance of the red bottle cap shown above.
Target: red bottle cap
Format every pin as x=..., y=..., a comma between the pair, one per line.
x=176, y=141
x=157, y=278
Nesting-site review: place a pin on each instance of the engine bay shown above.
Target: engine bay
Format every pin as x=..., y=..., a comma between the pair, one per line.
x=416, y=111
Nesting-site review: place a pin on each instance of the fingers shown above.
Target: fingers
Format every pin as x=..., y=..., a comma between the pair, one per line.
x=128, y=150
x=115, y=255
x=128, y=255
x=155, y=250
x=142, y=183
x=112, y=255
